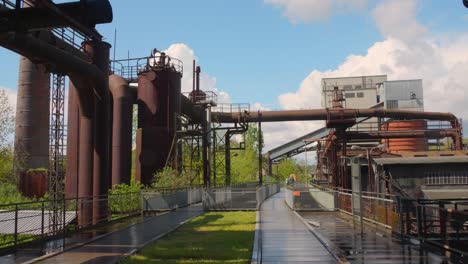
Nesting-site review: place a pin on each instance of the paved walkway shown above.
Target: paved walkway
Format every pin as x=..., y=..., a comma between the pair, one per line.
x=285, y=239
x=110, y=248
x=372, y=246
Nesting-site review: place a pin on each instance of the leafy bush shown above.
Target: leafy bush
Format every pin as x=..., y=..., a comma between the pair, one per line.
x=168, y=178
x=124, y=199
x=9, y=194
x=6, y=164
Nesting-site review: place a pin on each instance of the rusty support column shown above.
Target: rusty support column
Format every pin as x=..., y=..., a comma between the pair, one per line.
x=73, y=128
x=102, y=135
x=85, y=171
x=206, y=165
x=32, y=117
x=121, y=130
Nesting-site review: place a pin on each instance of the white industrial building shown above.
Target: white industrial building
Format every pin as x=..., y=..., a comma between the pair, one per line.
x=402, y=94
x=368, y=91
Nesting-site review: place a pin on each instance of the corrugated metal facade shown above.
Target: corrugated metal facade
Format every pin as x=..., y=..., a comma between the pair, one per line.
x=404, y=94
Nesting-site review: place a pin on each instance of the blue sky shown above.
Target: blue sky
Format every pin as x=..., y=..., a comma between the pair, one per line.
x=256, y=53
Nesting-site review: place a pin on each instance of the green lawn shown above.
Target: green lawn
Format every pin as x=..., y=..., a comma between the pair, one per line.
x=216, y=237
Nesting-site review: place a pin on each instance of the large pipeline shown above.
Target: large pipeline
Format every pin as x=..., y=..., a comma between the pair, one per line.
x=430, y=134
x=88, y=78
x=338, y=115
x=327, y=114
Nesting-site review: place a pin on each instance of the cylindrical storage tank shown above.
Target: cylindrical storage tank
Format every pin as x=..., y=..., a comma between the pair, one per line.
x=32, y=117
x=405, y=144
x=159, y=104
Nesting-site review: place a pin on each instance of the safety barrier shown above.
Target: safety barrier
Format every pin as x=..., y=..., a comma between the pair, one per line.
x=34, y=221
x=157, y=200
x=441, y=222
x=238, y=198
x=377, y=208
x=303, y=197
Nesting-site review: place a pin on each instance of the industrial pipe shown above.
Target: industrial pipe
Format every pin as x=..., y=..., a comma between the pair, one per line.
x=85, y=75
x=338, y=115
x=326, y=114
x=98, y=51
x=430, y=134
x=73, y=143
x=121, y=130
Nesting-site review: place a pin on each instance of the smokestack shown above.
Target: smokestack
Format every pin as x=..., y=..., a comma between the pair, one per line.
x=198, y=78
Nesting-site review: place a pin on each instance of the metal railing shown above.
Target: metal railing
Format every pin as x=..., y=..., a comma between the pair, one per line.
x=372, y=207
x=22, y=223
x=130, y=68
x=238, y=198
x=26, y=222
x=440, y=222
x=231, y=108
x=168, y=199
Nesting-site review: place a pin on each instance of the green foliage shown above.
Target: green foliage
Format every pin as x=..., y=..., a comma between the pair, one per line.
x=216, y=237
x=7, y=240
x=244, y=163
x=168, y=178
x=124, y=199
x=286, y=167
x=38, y=170
x=6, y=165
x=9, y=194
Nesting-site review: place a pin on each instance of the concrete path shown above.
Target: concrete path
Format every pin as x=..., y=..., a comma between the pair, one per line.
x=110, y=248
x=373, y=246
x=285, y=239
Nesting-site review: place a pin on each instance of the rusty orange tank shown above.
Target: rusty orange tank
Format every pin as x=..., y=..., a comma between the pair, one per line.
x=405, y=144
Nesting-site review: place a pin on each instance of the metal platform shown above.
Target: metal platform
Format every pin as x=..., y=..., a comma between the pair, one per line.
x=284, y=237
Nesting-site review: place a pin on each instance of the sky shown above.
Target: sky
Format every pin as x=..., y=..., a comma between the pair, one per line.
x=273, y=53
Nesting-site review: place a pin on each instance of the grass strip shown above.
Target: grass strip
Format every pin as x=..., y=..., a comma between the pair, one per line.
x=215, y=237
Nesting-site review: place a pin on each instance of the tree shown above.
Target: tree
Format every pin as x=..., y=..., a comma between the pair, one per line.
x=7, y=120
x=286, y=167
x=7, y=124
x=244, y=164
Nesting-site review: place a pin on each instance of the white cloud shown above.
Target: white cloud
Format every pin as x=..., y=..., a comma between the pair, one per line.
x=408, y=51
x=396, y=19
x=312, y=10
x=186, y=54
